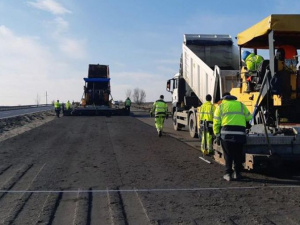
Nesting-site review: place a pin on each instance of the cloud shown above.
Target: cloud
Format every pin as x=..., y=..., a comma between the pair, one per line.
x=72, y=48
x=50, y=6
x=29, y=68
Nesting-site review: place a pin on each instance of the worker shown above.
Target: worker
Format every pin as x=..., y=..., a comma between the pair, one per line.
x=127, y=105
x=252, y=61
x=288, y=55
x=160, y=108
x=229, y=127
x=57, y=107
x=68, y=105
x=205, y=116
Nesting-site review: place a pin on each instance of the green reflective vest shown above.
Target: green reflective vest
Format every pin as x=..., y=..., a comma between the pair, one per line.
x=127, y=102
x=160, y=107
x=57, y=105
x=207, y=111
x=68, y=105
x=253, y=61
x=231, y=113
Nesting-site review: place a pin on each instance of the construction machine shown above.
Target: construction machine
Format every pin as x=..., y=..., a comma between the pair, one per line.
x=96, y=98
x=271, y=93
x=205, y=57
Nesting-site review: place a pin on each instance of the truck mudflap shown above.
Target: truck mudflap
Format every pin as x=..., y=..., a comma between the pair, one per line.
x=259, y=154
x=97, y=111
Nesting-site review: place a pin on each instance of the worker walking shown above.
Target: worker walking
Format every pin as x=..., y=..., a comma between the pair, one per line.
x=229, y=126
x=127, y=105
x=205, y=116
x=160, y=108
x=57, y=107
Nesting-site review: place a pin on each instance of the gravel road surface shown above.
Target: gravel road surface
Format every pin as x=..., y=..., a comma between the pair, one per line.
x=115, y=170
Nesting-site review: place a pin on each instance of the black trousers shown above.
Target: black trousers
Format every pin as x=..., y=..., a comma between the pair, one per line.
x=233, y=153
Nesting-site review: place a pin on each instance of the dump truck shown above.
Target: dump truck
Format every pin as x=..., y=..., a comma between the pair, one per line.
x=205, y=59
x=272, y=93
x=96, y=98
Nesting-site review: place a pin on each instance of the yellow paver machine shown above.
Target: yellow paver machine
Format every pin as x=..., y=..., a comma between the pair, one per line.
x=271, y=93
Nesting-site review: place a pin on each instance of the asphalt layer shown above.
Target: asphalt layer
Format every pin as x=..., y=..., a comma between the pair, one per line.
x=116, y=170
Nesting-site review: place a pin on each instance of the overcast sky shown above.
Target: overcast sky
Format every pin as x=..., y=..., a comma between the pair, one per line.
x=46, y=45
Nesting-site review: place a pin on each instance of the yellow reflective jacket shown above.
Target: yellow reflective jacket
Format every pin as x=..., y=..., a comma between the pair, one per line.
x=68, y=105
x=206, y=111
x=160, y=107
x=230, y=113
x=253, y=62
x=57, y=105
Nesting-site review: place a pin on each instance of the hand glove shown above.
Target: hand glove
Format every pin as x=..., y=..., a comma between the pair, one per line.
x=218, y=140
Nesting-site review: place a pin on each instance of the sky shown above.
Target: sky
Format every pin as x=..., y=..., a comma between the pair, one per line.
x=47, y=45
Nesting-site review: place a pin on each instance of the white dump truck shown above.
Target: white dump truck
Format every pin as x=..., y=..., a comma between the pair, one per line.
x=209, y=65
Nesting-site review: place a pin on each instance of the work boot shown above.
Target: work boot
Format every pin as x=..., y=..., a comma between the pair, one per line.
x=227, y=177
x=236, y=175
x=159, y=133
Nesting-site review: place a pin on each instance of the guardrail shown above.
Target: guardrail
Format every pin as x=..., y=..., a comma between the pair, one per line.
x=7, y=108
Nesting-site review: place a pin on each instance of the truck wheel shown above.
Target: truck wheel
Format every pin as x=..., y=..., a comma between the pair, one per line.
x=175, y=124
x=192, y=126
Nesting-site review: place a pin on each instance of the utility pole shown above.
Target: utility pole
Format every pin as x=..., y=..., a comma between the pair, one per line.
x=46, y=98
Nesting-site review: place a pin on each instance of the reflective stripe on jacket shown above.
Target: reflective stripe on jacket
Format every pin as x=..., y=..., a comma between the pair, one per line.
x=206, y=111
x=230, y=121
x=160, y=107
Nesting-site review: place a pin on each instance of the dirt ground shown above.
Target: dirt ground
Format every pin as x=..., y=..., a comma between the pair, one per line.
x=115, y=170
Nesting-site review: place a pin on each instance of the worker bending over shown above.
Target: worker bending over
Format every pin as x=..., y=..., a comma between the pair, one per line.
x=252, y=61
x=229, y=126
x=205, y=116
x=57, y=108
x=160, y=108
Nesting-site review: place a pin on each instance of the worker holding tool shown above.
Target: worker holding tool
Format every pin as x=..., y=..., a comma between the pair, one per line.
x=229, y=126
x=160, y=108
x=205, y=116
x=127, y=105
x=57, y=108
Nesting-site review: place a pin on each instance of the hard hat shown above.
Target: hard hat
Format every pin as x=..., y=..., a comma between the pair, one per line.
x=161, y=97
x=245, y=55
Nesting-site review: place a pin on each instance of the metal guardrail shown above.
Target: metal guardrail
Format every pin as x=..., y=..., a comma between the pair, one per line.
x=8, y=108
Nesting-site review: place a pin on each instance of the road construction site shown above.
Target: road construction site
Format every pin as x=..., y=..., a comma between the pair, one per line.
x=116, y=170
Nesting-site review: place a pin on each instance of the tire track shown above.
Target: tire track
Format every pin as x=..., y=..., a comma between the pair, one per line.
x=46, y=215
x=10, y=183
x=116, y=208
x=21, y=201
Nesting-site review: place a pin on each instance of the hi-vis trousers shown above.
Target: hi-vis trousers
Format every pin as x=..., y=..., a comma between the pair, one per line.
x=159, y=122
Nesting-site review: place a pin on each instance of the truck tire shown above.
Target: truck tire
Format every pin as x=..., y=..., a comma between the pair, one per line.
x=175, y=124
x=193, y=125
